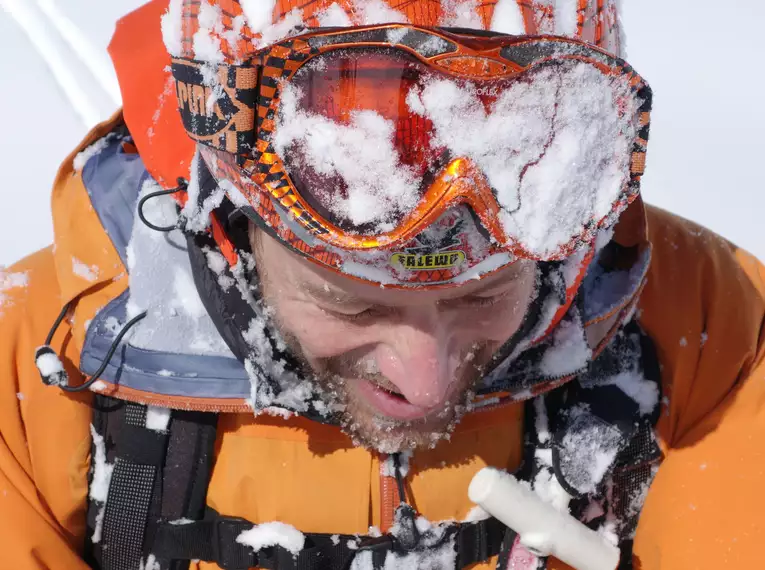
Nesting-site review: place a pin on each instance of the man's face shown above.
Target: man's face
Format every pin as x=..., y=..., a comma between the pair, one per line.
x=401, y=363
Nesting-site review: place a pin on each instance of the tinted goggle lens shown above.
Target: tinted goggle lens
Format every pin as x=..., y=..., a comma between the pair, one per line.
x=363, y=132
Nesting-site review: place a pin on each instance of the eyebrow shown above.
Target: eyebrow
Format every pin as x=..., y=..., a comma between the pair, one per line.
x=327, y=293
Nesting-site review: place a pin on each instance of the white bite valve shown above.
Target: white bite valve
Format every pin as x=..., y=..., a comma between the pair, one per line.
x=540, y=527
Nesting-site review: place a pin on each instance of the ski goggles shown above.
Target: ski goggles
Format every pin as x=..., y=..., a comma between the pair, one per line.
x=366, y=136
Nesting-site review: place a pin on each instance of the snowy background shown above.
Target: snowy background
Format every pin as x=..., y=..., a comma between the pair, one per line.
x=702, y=59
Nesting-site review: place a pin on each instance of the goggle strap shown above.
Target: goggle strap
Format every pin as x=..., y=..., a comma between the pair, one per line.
x=222, y=115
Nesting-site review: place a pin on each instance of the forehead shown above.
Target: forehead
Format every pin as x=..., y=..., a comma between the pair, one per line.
x=302, y=276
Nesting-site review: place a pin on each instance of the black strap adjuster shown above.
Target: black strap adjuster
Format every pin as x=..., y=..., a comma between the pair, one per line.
x=225, y=531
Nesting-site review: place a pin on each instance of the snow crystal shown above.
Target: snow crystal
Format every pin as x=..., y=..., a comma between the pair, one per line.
x=112, y=325
x=88, y=273
x=476, y=514
x=10, y=281
x=285, y=27
x=433, y=46
x=570, y=350
x=372, y=12
x=704, y=338
x=157, y=418
x=206, y=40
x=295, y=392
x=461, y=14
x=388, y=467
x=361, y=153
x=89, y=152
x=98, y=386
x=259, y=13
x=549, y=489
x=642, y=391
x=541, y=424
x=218, y=264
x=587, y=451
x=99, y=525
x=197, y=216
x=507, y=18
x=186, y=296
x=273, y=534
x=569, y=139
x=20, y=395
x=487, y=265
x=683, y=341
x=151, y=563
x=333, y=16
x=566, y=17
x=278, y=412
x=335, y=538
x=216, y=261
x=171, y=28
x=604, y=237
x=234, y=34
x=181, y=521
x=368, y=272
x=234, y=194
x=102, y=471
x=176, y=320
x=438, y=551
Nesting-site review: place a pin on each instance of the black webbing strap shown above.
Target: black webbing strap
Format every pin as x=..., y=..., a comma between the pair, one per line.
x=214, y=540
x=140, y=455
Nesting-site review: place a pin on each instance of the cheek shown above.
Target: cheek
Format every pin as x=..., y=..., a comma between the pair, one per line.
x=319, y=335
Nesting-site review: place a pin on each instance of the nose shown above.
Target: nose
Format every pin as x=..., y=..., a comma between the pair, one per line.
x=420, y=358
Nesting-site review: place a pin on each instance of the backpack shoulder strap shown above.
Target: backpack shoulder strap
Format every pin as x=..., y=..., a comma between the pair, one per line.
x=149, y=464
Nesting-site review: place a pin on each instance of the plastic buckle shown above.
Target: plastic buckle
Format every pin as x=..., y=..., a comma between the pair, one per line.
x=230, y=555
x=408, y=538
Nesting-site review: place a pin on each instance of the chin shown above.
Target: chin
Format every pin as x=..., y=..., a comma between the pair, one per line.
x=387, y=435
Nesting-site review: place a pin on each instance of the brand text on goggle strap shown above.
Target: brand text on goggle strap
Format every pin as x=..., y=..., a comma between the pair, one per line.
x=442, y=260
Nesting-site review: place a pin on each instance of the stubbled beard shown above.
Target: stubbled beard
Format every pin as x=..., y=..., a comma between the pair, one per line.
x=370, y=429
x=388, y=435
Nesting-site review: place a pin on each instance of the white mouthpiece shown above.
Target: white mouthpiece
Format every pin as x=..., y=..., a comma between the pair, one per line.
x=541, y=528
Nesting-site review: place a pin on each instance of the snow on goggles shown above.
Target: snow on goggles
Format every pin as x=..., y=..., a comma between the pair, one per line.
x=369, y=135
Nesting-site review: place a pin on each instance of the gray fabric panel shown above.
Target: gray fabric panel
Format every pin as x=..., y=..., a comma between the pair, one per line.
x=201, y=376
x=113, y=179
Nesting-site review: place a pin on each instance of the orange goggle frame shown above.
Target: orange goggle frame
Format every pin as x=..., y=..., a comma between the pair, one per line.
x=246, y=99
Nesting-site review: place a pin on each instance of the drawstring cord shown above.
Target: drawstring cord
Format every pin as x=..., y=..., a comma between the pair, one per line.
x=49, y=363
x=399, y=477
x=405, y=513
x=182, y=185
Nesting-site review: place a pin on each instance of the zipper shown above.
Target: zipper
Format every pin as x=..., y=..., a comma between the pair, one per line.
x=389, y=497
x=238, y=405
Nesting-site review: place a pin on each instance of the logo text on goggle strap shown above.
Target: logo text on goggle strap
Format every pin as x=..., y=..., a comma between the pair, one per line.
x=199, y=117
x=416, y=261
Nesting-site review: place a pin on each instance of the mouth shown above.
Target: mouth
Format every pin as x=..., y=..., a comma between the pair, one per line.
x=387, y=402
